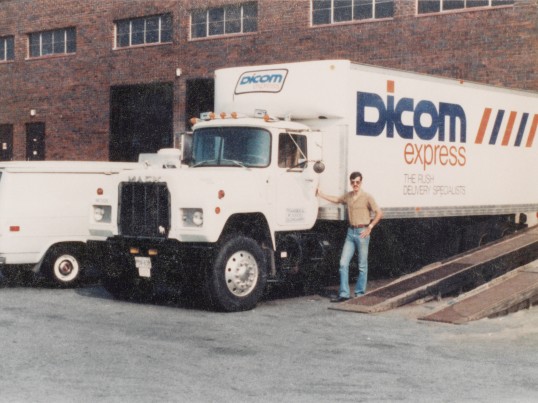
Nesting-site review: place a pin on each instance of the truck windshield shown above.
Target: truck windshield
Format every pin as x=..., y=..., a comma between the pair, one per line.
x=231, y=146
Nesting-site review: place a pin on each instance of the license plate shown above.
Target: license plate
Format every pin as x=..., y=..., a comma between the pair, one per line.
x=143, y=264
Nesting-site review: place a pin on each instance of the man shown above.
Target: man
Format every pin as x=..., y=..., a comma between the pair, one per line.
x=360, y=206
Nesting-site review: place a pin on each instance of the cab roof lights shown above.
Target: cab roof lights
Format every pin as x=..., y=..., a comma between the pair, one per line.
x=258, y=113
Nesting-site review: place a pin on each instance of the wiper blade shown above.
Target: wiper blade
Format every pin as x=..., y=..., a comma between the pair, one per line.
x=238, y=163
x=201, y=163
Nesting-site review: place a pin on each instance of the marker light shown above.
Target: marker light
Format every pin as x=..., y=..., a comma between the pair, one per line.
x=221, y=194
x=100, y=191
x=234, y=115
x=223, y=115
x=14, y=228
x=266, y=118
x=194, y=121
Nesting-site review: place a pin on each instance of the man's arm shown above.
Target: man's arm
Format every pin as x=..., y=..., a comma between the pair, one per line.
x=332, y=199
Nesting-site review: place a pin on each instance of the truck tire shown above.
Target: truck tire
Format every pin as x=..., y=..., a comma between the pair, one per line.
x=63, y=265
x=238, y=276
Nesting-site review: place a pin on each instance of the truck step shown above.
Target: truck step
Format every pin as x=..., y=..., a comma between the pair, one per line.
x=440, y=279
x=509, y=293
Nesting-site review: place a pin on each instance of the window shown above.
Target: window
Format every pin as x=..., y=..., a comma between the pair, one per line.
x=335, y=11
x=227, y=20
x=292, y=151
x=231, y=147
x=144, y=31
x=436, y=6
x=59, y=41
x=7, y=48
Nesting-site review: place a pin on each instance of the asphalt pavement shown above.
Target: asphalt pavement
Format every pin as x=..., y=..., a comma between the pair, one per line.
x=80, y=345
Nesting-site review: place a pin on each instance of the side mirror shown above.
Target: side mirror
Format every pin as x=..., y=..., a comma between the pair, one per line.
x=319, y=167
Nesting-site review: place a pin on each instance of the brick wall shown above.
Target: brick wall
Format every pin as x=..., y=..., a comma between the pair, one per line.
x=71, y=94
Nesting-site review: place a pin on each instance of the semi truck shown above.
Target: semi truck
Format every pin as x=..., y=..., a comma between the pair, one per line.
x=449, y=162
x=44, y=223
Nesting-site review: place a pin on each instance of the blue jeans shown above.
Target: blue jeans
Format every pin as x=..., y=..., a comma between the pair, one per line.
x=354, y=242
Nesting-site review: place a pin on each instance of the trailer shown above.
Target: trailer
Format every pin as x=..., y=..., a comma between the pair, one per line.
x=448, y=161
x=44, y=224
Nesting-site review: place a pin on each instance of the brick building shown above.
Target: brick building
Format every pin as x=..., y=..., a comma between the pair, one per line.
x=102, y=80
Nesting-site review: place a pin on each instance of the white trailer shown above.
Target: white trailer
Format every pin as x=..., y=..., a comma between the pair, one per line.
x=449, y=162
x=44, y=207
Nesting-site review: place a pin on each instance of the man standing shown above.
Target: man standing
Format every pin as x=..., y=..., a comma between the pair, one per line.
x=360, y=206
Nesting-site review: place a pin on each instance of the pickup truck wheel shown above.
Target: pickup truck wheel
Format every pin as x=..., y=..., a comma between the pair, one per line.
x=63, y=266
x=238, y=276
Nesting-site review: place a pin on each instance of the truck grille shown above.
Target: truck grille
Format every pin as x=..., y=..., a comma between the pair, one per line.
x=144, y=209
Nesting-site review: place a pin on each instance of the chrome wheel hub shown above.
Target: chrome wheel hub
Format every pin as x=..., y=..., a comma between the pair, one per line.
x=241, y=273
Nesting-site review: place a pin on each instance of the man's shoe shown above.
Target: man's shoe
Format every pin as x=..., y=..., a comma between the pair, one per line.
x=339, y=299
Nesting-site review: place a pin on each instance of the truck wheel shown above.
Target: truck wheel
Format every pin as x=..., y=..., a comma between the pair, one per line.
x=63, y=266
x=238, y=276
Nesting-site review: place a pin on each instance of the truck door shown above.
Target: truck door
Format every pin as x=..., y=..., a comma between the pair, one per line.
x=296, y=203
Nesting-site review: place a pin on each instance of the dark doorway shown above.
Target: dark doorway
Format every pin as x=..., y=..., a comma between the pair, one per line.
x=200, y=98
x=35, y=141
x=6, y=142
x=141, y=120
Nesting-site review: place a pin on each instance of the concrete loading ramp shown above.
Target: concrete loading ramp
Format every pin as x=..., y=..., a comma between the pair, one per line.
x=465, y=271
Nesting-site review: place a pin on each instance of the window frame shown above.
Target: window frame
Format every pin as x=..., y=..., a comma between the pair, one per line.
x=7, y=49
x=206, y=20
x=165, y=34
x=444, y=8
x=354, y=7
x=69, y=42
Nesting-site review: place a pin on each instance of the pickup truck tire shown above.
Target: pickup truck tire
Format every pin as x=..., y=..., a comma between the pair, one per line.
x=238, y=276
x=63, y=265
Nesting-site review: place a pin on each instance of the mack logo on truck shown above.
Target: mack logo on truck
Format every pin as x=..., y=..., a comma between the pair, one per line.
x=261, y=81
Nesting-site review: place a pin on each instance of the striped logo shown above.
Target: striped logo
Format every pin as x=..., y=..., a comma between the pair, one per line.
x=517, y=124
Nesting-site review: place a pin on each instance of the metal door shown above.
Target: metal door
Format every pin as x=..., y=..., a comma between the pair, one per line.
x=6, y=142
x=35, y=141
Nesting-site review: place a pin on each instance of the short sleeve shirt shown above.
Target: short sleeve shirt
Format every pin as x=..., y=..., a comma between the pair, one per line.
x=359, y=208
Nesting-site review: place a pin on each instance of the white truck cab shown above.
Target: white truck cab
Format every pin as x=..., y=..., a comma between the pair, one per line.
x=248, y=181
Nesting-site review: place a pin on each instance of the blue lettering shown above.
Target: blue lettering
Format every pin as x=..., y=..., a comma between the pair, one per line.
x=426, y=108
x=365, y=128
x=390, y=117
x=266, y=78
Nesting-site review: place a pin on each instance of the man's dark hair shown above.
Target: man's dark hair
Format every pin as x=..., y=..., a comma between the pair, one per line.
x=355, y=175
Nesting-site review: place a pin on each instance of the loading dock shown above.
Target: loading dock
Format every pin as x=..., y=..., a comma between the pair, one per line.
x=511, y=292
x=462, y=273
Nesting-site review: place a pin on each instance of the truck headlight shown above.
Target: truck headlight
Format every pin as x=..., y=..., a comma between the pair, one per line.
x=102, y=214
x=192, y=217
